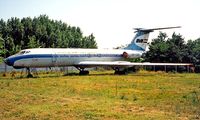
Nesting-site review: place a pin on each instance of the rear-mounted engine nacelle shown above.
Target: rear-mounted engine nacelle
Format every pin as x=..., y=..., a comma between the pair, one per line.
x=125, y=55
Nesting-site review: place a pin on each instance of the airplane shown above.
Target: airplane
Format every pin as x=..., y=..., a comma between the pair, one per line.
x=84, y=58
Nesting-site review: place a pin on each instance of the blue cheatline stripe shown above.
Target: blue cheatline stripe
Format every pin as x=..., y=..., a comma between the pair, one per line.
x=66, y=55
x=15, y=58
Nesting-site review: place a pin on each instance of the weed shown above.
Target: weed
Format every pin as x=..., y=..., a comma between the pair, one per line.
x=123, y=97
x=134, y=97
x=89, y=115
x=8, y=84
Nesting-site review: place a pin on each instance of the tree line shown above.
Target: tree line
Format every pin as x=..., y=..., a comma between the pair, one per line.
x=17, y=34
x=173, y=50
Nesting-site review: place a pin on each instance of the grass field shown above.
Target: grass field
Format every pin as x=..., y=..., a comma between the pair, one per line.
x=101, y=95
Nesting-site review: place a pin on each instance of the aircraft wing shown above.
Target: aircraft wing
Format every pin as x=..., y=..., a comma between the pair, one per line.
x=127, y=64
x=112, y=64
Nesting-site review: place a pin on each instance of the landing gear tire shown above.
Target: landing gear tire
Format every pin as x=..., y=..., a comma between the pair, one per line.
x=82, y=71
x=29, y=76
x=85, y=72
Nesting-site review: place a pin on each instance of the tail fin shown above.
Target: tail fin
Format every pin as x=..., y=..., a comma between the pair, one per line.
x=140, y=41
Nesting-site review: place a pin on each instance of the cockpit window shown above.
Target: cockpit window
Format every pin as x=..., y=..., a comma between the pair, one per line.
x=23, y=52
x=27, y=52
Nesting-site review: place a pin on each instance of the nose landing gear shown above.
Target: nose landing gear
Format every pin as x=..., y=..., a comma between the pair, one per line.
x=29, y=73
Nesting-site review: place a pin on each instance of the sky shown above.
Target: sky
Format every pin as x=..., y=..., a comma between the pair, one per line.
x=112, y=21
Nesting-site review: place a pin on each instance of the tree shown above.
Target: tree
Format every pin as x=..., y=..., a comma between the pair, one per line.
x=164, y=49
x=2, y=50
x=9, y=46
x=193, y=48
x=16, y=29
x=33, y=43
x=158, y=49
x=89, y=42
x=177, y=47
x=41, y=32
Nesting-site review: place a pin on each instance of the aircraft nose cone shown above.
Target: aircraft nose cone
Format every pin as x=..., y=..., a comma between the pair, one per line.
x=8, y=62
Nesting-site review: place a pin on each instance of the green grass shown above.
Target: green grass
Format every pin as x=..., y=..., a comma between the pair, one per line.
x=101, y=95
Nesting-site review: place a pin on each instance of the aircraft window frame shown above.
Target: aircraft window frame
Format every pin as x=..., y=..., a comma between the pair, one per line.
x=23, y=52
x=27, y=52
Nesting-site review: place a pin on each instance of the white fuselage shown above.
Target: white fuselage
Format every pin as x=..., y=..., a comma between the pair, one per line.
x=49, y=57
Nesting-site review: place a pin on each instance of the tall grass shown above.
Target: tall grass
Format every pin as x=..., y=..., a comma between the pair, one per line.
x=101, y=95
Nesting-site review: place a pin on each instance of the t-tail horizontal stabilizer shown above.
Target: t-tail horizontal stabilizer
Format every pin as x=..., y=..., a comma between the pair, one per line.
x=151, y=30
x=140, y=41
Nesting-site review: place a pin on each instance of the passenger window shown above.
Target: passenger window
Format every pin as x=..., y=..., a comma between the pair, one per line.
x=22, y=52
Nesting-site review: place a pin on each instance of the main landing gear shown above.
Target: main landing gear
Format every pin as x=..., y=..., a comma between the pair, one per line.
x=118, y=71
x=82, y=71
